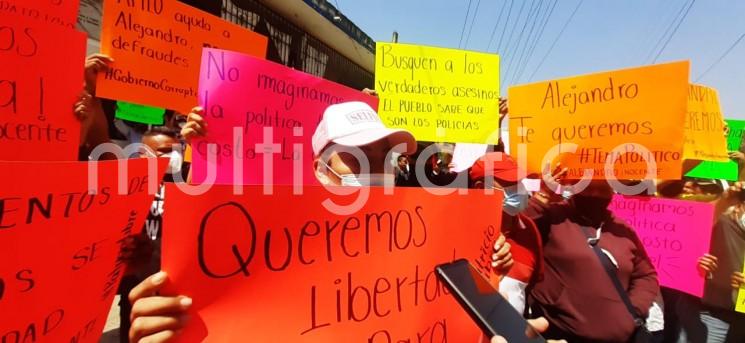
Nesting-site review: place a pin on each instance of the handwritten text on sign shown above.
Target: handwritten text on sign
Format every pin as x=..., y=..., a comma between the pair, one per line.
x=675, y=234
x=704, y=126
x=55, y=12
x=60, y=246
x=275, y=111
x=281, y=268
x=157, y=46
x=41, y=78
x=626, y=117
x=440, y=95
x=723, y=170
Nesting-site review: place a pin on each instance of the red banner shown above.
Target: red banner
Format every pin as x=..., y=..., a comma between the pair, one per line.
x=40, y=82
x=60, y=245
x=283, y=268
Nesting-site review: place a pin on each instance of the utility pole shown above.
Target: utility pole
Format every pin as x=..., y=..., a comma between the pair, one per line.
x=395, y=37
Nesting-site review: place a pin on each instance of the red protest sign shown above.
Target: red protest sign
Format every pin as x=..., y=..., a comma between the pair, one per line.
x=60, y=245
x=55, y=12
x=39, y=89
x=275, y=111
x=283, y=268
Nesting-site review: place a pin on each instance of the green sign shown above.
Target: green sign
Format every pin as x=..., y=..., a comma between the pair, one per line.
x=139, y=113
x=723, y=170
x=715, y=170
x=734, y=138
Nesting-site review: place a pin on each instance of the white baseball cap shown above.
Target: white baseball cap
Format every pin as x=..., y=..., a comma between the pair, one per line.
x=356, y=124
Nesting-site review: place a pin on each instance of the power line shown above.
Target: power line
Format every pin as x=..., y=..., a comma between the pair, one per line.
x=664, y=34
x=655, y=22
x=465, y=21
x=512, y=34
x=499, y=46
x=512, y=31
x=494, y=31
x=732, y=47
x=535, y=43
x=475, y=13
x=674, y=31
x=521, y=54
x=548, y=52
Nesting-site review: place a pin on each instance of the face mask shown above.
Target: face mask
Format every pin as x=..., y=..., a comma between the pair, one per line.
x=514, y=201
x=175, y=162
x=353, y=180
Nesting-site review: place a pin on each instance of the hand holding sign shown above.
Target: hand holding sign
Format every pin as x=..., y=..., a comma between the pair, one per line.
x=61, y=244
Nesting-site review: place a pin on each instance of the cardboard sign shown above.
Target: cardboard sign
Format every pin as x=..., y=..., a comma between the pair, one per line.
x=624, y=117
x=715, y=170
x=734, y=137
x=139, y=113
x=723, y=170
x=54, y=12
x=740, y=304
x=40, y=81
x=60, y=243
x=704, y=126
x=157, y=48
x=440, y=95
x=275, y=111
x=283, y=268
x=675, y=233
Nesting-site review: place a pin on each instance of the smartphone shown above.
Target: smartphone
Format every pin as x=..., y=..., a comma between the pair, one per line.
x=492, y=312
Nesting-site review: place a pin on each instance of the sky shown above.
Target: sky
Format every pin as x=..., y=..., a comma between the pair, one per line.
x=603, y=35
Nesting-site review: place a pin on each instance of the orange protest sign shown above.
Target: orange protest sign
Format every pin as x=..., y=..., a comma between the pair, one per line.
x=608, y=123
x=41, y=79
x=284, y=268
x=55, y=12
x=60, y=245
x=704, y=126
x=157, y=50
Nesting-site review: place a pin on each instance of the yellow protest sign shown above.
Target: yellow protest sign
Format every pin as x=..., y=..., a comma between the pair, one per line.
x=704, y=126
x=440, y=95
x=606, y=124
x=740, y=305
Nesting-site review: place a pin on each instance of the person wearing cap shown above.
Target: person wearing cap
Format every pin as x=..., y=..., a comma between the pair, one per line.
x=522, y=235
x=352, y=127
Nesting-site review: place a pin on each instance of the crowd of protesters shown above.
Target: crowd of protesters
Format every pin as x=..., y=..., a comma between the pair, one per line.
x=567, y=263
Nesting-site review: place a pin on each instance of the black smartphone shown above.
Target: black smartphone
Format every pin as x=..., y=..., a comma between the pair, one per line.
x=492, y=312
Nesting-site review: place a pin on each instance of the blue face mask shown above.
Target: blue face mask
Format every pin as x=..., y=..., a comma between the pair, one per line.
x=514, y=201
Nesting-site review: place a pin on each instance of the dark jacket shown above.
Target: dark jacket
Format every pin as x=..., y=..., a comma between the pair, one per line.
x=728, y=244
x=576, y=295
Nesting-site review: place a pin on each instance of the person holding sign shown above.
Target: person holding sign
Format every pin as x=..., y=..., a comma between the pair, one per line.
x=347, y=130
x=585, y=247
x=351, y=147
x=522, y=234
x=723, y=323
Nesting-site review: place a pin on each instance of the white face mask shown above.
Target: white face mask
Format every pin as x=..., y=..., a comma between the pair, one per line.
x=175, y=162
x=514, y=200
x=367, y=180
